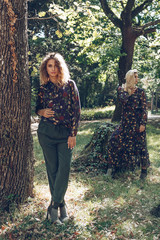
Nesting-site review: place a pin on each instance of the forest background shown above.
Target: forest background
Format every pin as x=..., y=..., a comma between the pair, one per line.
x=91, y=45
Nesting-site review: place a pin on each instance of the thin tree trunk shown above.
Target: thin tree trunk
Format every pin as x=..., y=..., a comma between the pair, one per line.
x=16, y=153
x=152, y=102
x=156, y=102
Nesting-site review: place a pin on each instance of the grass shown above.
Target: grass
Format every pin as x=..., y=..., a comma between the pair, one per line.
x=156, y=112
x=97, y=113
x=99, y=208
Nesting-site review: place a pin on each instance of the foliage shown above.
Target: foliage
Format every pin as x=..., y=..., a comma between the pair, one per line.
x=147, y=61
x=79, y=32
x=90, y=43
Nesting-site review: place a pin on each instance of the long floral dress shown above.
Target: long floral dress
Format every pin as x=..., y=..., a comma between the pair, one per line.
x=126, y=142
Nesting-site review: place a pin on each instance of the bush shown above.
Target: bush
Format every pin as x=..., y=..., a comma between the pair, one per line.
x=93, y=158
x=95, y=114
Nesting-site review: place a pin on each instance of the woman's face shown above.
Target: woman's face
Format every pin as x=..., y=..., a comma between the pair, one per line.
x=52, y=68
x=136, y=78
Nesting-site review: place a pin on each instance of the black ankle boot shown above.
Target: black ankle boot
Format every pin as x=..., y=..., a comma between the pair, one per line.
x=143, y=174
x=109, y=173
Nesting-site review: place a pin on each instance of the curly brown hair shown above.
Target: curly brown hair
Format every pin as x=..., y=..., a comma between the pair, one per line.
x=63, y=75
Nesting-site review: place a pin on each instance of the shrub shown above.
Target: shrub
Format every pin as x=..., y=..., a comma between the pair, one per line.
x=95, y=114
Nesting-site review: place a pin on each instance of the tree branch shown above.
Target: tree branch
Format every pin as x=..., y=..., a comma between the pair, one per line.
x=110, y=14
x=122, y=4
x=144, y=30
x=129, y=5
x=39, y=18
x=141, y=7
x=149, y=30
x=151, y=24
x=126, y=13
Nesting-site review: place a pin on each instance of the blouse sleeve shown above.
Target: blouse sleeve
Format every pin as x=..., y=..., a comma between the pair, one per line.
x=40, y=101
x=76, y=108
x=143, y=108
x=122, y=95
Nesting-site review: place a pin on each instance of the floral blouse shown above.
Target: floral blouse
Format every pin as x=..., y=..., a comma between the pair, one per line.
x=65, y=103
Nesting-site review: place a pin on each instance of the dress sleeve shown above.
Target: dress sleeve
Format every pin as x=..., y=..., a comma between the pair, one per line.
x=143, y=101
x=76, y=109
x=122, y=95
x=40, y=101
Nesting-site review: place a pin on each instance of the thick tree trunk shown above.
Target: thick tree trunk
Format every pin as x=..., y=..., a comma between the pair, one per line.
x=16, y=155
x=125, y=63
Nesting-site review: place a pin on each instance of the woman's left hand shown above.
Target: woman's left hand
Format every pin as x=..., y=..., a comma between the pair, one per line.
x=71, y=142
x=142, y=128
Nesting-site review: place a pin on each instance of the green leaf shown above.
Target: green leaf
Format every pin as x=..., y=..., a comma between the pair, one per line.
x=41, y=14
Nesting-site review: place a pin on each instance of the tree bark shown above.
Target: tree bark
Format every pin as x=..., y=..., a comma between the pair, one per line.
x=125, y=63
x=16, y=153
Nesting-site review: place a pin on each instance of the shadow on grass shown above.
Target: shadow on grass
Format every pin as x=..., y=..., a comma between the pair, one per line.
x=119, y=209
x=125, y=205
x=34, y=228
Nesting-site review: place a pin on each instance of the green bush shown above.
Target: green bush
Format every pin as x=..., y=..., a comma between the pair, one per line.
x=94, y=114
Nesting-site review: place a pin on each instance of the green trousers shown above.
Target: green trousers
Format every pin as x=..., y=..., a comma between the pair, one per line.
x=53, y=140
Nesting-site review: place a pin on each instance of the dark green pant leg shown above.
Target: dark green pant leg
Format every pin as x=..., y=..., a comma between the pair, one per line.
x=62, y=177
x=51, y=159
x=51, y=166
x=53, y=140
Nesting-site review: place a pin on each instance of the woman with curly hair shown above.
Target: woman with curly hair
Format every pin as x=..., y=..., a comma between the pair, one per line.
x=58, y=105
x=128, y=141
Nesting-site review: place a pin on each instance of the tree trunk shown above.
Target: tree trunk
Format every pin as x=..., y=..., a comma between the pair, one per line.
x=152, y=102
x=127, y=50
x=16, y=153
x=125, y=63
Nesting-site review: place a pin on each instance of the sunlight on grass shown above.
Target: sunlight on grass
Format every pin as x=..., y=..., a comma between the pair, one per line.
x=85, y=133
x=129, y=227
x=42, y=191
x=104, y=109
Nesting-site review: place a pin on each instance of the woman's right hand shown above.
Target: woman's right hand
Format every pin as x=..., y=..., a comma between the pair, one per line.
x=46, y=112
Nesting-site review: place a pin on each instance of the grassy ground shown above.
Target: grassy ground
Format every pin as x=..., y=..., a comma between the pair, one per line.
x=98, y=209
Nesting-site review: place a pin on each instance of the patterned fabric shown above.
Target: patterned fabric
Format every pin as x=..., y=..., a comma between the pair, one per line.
x=126, y=142
x=64, y=101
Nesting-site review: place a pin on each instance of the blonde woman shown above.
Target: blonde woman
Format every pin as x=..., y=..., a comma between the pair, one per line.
x=128, y=141
x=58, y=105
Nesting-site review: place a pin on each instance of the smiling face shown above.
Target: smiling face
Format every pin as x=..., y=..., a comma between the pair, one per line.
x=52, y=69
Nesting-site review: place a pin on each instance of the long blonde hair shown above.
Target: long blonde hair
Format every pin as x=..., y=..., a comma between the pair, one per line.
x=63, y=75
x=130, y=80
